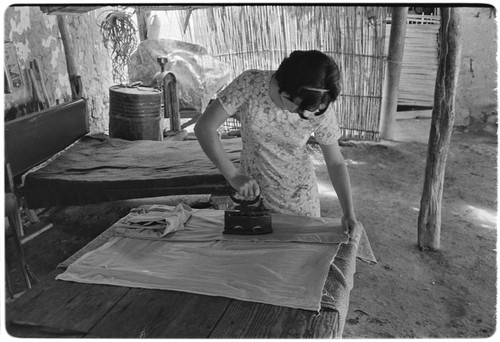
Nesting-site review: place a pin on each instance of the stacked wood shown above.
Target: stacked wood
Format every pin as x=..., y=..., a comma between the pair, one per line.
x=37, y=84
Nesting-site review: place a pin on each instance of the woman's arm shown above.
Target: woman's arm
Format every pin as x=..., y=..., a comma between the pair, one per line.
x=339, y=176
x=206, y=132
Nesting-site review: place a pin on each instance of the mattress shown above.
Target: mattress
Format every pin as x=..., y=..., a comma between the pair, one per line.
x=98, y=168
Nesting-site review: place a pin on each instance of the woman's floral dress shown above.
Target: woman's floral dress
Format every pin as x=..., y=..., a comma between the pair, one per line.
x=274, y=144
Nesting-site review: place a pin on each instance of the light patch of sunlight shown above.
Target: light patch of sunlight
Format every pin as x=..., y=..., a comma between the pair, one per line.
x=353, y=162
x=326, y=189
x=486, y=218
x=483, y=217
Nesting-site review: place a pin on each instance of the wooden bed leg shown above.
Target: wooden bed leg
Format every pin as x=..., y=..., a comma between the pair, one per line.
x=12, y=212
x=30, y=213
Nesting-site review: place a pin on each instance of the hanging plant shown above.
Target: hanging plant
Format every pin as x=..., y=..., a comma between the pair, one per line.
x=119, y=35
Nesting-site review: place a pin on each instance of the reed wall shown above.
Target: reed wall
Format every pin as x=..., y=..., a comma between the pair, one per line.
x=420, y=60
x=260, y=37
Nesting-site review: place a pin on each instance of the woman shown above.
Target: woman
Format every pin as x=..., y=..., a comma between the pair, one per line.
x=278, y=112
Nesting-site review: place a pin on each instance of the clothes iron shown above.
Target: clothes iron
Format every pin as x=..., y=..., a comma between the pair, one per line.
x=250, y=217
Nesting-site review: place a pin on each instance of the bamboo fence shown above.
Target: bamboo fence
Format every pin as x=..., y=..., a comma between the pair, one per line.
x=420, y=61
x=259, y=37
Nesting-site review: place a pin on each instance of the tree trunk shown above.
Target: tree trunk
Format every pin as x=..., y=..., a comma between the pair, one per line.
x=393, y=72
x=443, y=115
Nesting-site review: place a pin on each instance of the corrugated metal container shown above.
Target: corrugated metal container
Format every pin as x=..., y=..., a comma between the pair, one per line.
x=135, y=113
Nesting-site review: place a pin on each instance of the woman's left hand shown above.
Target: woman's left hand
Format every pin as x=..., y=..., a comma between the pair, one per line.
x=349, y=223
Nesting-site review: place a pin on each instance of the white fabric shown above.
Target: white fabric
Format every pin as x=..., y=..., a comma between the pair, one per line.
x=286, y=267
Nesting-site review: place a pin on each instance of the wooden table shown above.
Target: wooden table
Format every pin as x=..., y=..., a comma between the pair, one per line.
x=55, y=308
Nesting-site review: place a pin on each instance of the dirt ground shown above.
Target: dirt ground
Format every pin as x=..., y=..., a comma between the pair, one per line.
x=421, y=294
x=410, y=293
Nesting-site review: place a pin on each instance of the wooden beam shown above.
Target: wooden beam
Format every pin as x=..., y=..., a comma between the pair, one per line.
x=74, y=79
x=143, y=17
x=443, y=115
x=393, y=72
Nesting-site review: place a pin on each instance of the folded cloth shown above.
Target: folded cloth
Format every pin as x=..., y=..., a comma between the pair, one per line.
x=340, y=279
x=155, y=221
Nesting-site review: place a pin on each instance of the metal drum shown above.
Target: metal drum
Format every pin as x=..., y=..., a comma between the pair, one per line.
x=135, y=113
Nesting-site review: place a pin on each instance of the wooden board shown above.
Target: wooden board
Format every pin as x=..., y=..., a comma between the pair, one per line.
x=31, y=139
x=160, y=314
x=65, y=309
x=65, y=305
x=257, y=320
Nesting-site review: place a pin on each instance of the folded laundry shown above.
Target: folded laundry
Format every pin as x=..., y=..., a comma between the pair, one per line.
x=155, y=221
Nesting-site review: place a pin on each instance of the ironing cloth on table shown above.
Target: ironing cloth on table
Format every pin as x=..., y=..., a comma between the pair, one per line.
x=281, y=268
x=207, y=224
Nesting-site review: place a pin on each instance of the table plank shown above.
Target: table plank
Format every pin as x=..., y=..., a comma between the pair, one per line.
x=162, y=314
x=31, y=330
x=257, y=320
x=58, y=309
x=54, y=304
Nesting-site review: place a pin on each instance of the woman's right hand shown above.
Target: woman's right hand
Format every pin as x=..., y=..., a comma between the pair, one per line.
x=244, y=185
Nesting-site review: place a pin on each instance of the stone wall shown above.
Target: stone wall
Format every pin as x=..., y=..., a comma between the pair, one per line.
x=35, y=35
x=477, y=98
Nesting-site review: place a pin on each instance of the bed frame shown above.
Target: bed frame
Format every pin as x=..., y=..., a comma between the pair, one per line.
x=29, y=141
x=34, y=138
x=97, y=168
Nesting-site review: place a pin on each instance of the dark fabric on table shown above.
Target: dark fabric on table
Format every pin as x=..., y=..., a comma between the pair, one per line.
x=100, y=169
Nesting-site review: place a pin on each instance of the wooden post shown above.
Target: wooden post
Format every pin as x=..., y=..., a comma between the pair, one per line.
x=443, y=115
x=393, y=72
x=171, y=101
x=74, y=79
x=143, y=17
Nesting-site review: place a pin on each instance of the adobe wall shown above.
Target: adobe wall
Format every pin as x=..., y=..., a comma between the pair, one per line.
x=476, y=101
x=35, y=35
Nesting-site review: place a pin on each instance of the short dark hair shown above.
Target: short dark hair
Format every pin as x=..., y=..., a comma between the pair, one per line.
x=310, y=68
